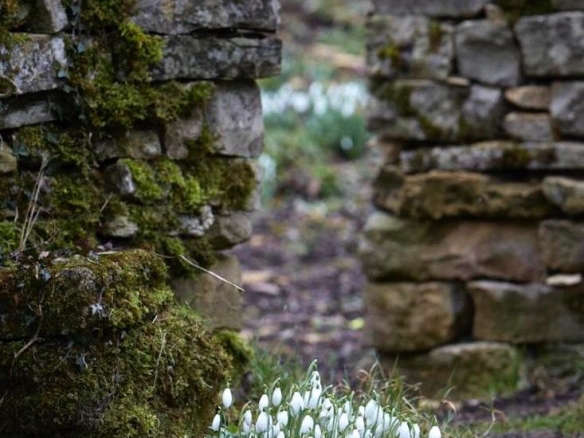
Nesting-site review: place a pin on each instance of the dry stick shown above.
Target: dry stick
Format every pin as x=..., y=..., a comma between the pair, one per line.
x=162, y=345
x=211, y=273
x=32, y=212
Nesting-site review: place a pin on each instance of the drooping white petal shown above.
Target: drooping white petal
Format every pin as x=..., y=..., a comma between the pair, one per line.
x=416, y=431
x=227, y=398
x=264, y=402
x=314, y=397
x=296, y=404
x=355, y=434
x=247, y=417
x=317, y=431
x=343, y=421
x=360, y=424
x=307, y=424
x=282, y=417
x=403, y=431
x=435, y=432
x=277, y=397
x=262, y=422
x=281, y=434
x=216, y=423
x=371, y=412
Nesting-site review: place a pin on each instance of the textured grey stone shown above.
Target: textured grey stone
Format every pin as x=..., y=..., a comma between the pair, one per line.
x=494, y=156
x=567, y=107
x=551, y=45
x=414, y=316
x=120, y=178
x=230, y=230
x=443, y=8
x=29, y=109
x=529, y=126
x=568, y=4
x=8, y=162
x=197, y=226
x=566, y=193
x=188, y=57
x=529, y=313
x=120, y=227
x=412, y=46
x=185, y=16
x=486, y=51
x=395, y=249
x=439, y=194
x=562, y=245
x=177, y=133
x=234, y=116
x=531, y=97
x=144, y=145
x=48, y=16
x=419, y=110
x=32, y=64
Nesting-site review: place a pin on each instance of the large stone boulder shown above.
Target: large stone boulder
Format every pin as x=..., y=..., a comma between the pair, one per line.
x=529, y=313
x=486, y=51
x=394, y=248
x=562, y=245
x=415, y=316
x=567, y=108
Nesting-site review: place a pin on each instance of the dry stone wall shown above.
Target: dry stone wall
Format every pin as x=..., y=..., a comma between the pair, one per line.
x=477, y=246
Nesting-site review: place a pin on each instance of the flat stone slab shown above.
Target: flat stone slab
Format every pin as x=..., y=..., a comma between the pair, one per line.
x=187, y=57
x=567, y=107
x=438, y=194
x=486, y=51
x=415, y=316
x=175, y=17
x=443, y=8
x=29, y=109
x=530, y=97
x=394, y=248
x=230, y=229
x=31, y=65
x=527, y=313
x=566, y=193
x=562, y=245
x=529, y=126
x=412, y=46
x=495, y=156
x=551, y=45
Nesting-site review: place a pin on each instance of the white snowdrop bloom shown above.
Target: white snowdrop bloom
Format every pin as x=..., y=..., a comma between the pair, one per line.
x=227, y=398
x=277, y=397
x=331, y=424
x=367, y=434
x=435, y=432
x=216, y=423
x=326, y=409
x=416, y=431
x=315, y=378
x=246, y=428
x=371, y=409
x=307, y=425
x=275, y=428
x=389, y=422
x=347, y=408
x=343, y=421
x=355, y=434
x=282, y=417
x=264, y=402
x=361, y=410
x=360, y=423
x=403, y=430
x=317, y=431
x=281, y=435
x=262, y=422
x=247, y=417
x=296, y=404
x=314, y=397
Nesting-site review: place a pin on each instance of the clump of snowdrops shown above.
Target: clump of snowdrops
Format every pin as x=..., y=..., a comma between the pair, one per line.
x=309, y=410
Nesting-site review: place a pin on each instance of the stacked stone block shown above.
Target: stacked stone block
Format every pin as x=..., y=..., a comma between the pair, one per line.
x=476, y=248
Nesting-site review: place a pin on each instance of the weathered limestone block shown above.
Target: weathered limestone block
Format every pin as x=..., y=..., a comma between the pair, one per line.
x=144, y=145
x=562, y=245
x=28, y=109
x=529, y=126
x=470, y=370
x=413, y=316
x=440, y=194
x=412, y=46
x=551, y=45
x=528, y=313
x=47, y=16
x=495, y=156
x=566, y=193
x=395, y=248
x=119, y=177
x=530, y=97
x=217, y=301
x=187, y=57
x=175, y=17
x=444, y=8
x=567, y=107
x=197, y=226
x=230, y=229
x=234, y=116
x=8, y=162
x=486, y=51
x=420, y=110
x=32, y=64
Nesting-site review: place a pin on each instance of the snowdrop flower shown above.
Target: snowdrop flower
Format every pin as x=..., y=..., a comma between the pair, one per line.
x=307, y=424
x=280, y=435
x=326, y=409
x=371, y=409
x=315, y=378
x=296, y=404
x=275, y=429
x=416, y=431
x=314, y=397
x=216, y=423
x=317, y=431
x=277, y=397
x=282, y=417
x=247, y=418
x=262, y=422
x=264, y=402
x=355, y=434
x=389, y=422
x=343, y=421
x=227, y=398
x=331, y=424
x=347, y=407
x=246, y=428
x=361, y=410
x=367, y=433
x=435, y=432
x=360, y=424
x=403, y=431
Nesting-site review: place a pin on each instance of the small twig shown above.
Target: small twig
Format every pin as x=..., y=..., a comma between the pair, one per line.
x=17, y=90
x=162, y=345
x=105, y=204
x=211, y=273
x=33, y=211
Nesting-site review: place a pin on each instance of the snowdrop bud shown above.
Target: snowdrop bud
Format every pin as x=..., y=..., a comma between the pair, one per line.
x=315, y=378
x=277, y=397
x=331, y=424
x=435, y=432
x=317, y=431
x=264, y=402
x=326, y=409
x=275, y=429
x=262, y=422
x=371, y=412
x=216, y=423
x=282, y=417
x=314, y=397
x=403, y=431
x=281, y=435
x=343, y=421
x=360, y=424
x=247, y=418
x=416, y=431
x=355, y=434
x=227, y=398
x=307, y=424
x=296, y=404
